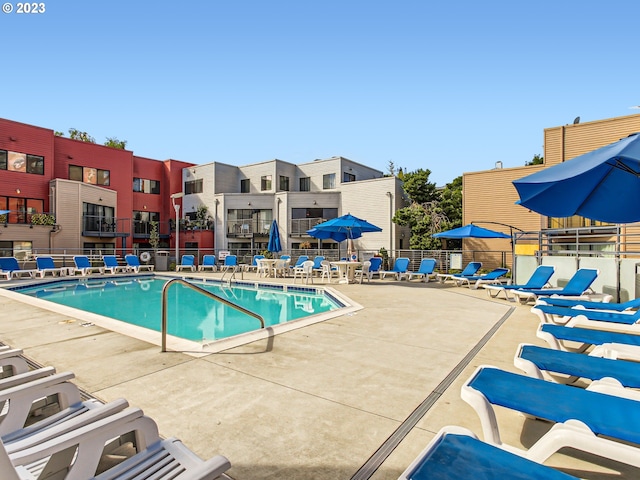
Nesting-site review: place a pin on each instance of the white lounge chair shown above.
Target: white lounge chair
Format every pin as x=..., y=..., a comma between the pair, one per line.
x=111, y=265
x=77, y=454
x=186, y=263
x=603, y=419
x=425, y=271
x=84, y=267
x=208, y=263
x=456, y=452
x=134, y=265
x=45, y=265
x=10, y=265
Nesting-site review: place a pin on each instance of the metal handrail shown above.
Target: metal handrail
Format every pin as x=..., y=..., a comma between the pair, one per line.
x=204, y=292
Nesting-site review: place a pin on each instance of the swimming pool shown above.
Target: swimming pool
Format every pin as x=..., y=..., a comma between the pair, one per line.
x=190, y=315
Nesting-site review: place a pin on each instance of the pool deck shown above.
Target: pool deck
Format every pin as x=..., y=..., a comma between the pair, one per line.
x=316, y=402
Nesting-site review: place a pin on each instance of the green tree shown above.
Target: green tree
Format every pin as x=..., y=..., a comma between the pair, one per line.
x=424, y=214
x=537, y=160
x=113, y=142
x=76, y=134
x=451, y=203
x=391, y=169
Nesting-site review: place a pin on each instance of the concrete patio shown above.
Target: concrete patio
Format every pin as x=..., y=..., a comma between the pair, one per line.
x=317, y=402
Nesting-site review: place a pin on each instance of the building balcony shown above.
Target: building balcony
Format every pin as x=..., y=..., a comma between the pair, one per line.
x=299, y=226
x=104, y=227
x=248, y=228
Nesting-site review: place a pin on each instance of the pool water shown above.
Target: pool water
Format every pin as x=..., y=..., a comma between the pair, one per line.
x=190, y=315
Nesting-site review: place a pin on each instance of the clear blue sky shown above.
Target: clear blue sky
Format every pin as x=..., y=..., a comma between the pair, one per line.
x=446, y=86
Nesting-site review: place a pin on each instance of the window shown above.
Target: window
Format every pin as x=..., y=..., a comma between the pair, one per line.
x=245, y=186
x=98, y=218
x=21, y=162
x=284, y=183
x=329, y=181
x=193, y=186
x=146, y=186
x=265, y=182
x=142, y=221
x=348, y=177
x=305, y=184
x=94, y=176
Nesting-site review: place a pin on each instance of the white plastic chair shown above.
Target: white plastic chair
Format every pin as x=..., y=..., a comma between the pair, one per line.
x=364, y=272
x=305, y=271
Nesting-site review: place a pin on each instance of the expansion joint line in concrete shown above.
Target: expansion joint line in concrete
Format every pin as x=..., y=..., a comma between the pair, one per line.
x=367, y=470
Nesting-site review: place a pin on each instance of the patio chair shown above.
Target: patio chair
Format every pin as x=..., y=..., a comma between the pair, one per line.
x=134, y=265
x=230, y=264
x=11, y=269
x=208, y=263
x=456, y=452
x=470, y=270
x=425, y=271
x=281, y=267
x=578, y=285
x=327, y=270
x=400, y=267
x=128, y=436
x=603, y=419
x=46, y=265
x=254, y=263
x=84, y=267
x=567, y=367
x=317, y=264
x=577, y=339
x=580, y=316
x=304, y=271
x=494, y=276
x=376, y=266
x=111, y=265
x=539, y=279
x=361, y=273
x=606, y=304
x=187, y=262
x=301, y=259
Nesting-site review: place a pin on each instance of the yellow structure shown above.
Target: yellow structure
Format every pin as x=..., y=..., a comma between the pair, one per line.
x=489, y=196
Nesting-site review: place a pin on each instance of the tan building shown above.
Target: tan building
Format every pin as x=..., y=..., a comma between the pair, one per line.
x=489, y=196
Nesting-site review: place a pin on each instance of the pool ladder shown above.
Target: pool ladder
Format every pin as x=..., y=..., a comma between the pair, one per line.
x=207, y=293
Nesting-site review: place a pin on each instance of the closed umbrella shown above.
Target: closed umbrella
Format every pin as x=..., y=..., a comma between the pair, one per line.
x=274, y=238
x=603, y=185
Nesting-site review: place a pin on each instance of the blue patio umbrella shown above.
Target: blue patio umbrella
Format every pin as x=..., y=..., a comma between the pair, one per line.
x=603, y=185
x=274, y=238
x=342, y=228
x=471, y=231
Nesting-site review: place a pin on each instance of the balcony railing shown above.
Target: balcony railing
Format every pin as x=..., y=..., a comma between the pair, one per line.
x=248, y=228
x=299, y=226
x=101, y=226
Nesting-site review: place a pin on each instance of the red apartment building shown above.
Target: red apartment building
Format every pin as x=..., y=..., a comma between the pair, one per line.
x=59, y=195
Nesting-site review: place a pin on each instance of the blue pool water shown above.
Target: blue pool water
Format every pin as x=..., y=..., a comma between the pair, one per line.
x=190, y=315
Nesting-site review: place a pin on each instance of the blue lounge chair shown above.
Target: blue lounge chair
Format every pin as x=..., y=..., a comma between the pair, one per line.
x=84, y=267
x=230, y=265
x=425, y=270
x=474, y=281
x=400, y=267
x=133, y=264
x=547, y=363
x=575, y=316
x=604, y=305
x=301, y=259
x=187, y=262
x=539, y=279
x=11, y=269
x=46, y=265
x=470, y=270
x=317, y=264
x=576, y=339
x=254, y=262
x=577, y=286
x=208, y=263
x=376, y=265
x=603, y=423
x=111, y=265
x=456, y=452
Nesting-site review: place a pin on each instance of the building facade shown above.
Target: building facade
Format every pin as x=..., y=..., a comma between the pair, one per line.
x=61, y=195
